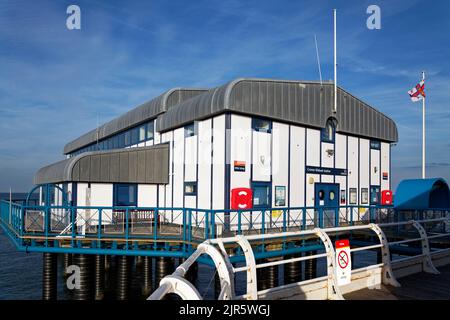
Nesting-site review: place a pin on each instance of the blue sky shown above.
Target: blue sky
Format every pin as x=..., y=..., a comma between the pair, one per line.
x=54, y=83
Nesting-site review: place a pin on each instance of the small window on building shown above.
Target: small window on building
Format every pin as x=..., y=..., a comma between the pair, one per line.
x=134, y=136
x=374, y=195
x=189, y=130
x=280, y=196
x=261, y=195
x=127, y=138
x=125, y=195
x=261, y=125
x=150, y=130
x=364, y=196
x=121, y=140
x=190, y=188
x=375, y=145
x=353, y=195
x=329, y=132
x=142, y=133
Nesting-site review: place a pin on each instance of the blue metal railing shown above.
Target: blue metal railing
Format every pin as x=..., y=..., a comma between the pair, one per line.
x=125, y=228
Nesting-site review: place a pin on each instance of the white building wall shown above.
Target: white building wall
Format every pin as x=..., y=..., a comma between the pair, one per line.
x=147, y=195
x=364, y=182
x=312, y=159
x=312, y=147
x=241, y=148
x=261, y=155
x=178, y=168
x=375, y=167
x=297, y=165
x=327, y=155
x=353, y=168
x=101, y=196
x=385, y=165
x=204, y=164
x=218, y=181
x=190, y=158
x=280, y=159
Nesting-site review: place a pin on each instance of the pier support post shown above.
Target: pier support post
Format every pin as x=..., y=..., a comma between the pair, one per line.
x=67, y=262
x=147, y=276
x=85, y=290
x=311, y=266
x=123, y=277
x=272, y=276
x=261, y=279
x=107, y=262
x=163, y=267
x=99, y=277
x=292, y=271
x=49, y=276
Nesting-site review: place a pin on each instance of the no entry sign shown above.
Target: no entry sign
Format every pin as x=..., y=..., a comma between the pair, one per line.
x=343, y=262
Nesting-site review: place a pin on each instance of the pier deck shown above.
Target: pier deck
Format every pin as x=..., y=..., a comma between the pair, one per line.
x=423, y=286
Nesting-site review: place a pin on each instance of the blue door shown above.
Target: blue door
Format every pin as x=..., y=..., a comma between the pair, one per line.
x=326, y=202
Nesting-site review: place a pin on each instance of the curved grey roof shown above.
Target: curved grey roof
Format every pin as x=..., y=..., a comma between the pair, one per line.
x=131, y=165
x=144, y=112
x=298, y=102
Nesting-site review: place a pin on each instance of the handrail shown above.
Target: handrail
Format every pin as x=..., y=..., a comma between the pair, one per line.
x=333, y=290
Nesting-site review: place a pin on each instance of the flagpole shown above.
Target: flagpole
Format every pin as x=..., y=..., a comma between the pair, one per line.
x=423, y=131
x=335, y=64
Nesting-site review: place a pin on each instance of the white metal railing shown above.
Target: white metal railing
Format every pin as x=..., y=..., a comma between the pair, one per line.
x=372, y=275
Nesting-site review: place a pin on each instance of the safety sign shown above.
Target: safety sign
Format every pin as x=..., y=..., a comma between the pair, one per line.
x=343, y=262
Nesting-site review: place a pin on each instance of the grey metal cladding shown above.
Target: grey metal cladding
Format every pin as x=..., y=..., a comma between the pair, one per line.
x=148, y=165
x=142, y=113
x=297, y=102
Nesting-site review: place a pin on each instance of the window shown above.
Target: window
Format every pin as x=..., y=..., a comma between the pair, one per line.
x=127, y=138
x=115, y=142
x=150, y=129
x=110, y=144
x=374, y=195
x=364, y=196
x=261, y=125
x=125, y=195
x=121, y=140
x=280, y=196
x=134, y=136
x=328, y=133
x=142, y=132
x=353, y=196
x=375, y=145
x=189, y=130
x=190, y=188
x=261, y=195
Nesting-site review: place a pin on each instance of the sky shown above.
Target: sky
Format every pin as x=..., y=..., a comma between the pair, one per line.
x=56, y=83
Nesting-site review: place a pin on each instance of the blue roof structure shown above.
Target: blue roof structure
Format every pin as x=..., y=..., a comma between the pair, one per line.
x=422, y=194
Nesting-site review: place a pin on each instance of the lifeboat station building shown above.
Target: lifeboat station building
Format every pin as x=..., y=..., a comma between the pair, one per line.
x=250, y=143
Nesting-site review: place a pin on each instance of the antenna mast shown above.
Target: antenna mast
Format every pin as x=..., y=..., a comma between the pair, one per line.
x=318, y=59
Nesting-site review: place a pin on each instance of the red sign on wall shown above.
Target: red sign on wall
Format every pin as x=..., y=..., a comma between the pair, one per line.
x=241, y=198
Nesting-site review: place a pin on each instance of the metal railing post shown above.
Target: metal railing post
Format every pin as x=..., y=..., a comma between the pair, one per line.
x=126, y=227
x=427, y=262
x=303, y=219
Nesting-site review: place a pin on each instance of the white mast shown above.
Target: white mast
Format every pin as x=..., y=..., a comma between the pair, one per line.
x=335, y=65
x=423, y=130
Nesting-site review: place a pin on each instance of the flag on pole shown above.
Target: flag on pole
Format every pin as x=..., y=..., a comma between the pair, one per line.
x=418, y=92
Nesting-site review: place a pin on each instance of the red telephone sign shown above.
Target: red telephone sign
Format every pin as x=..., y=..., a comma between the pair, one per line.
x=386, y=197
x=241, y=198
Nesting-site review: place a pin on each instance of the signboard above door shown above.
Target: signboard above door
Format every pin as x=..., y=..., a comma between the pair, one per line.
x=331, y=171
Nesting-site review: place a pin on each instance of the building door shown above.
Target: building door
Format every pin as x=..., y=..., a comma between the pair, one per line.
x=326, y=202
